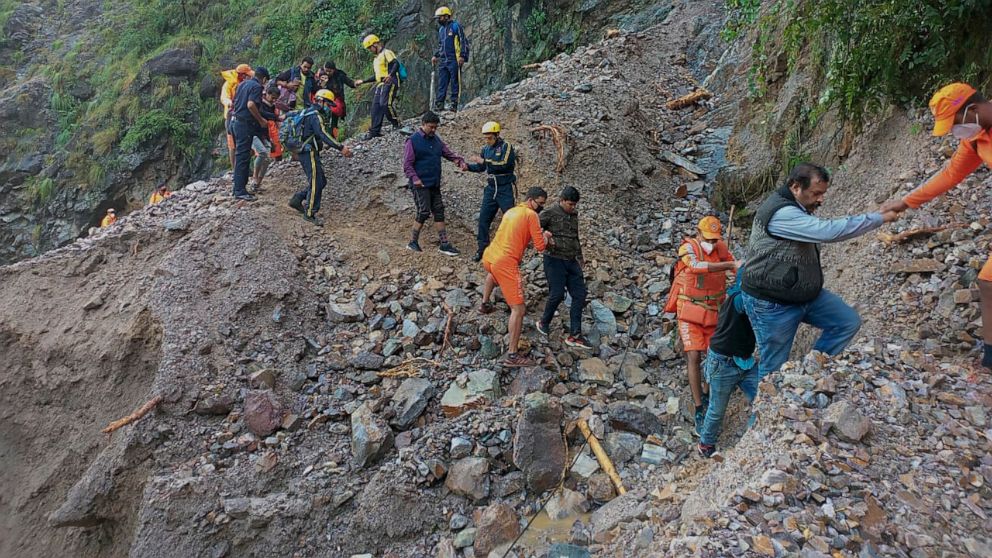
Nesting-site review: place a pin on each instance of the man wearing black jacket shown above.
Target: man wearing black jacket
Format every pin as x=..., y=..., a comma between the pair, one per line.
x=334, y=80
x=315, y=135
x=247, y=123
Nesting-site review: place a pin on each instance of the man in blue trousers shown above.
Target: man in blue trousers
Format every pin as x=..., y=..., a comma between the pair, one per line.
x=499, y=161
x=450, y=56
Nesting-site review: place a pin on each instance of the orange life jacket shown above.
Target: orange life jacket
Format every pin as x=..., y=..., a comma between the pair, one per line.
x=696, y=297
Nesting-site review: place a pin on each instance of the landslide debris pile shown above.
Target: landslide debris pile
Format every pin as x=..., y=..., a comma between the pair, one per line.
x=327, y=393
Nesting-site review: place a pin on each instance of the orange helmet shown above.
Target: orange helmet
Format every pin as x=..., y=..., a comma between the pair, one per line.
x=710, y=228
x=244, y=69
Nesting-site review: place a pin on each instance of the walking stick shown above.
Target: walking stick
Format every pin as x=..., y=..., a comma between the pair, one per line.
x=433, y=89
x=730, y=229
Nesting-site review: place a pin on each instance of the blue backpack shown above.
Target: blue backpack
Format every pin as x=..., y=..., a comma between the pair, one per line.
x=291, y=130
x=402, y=72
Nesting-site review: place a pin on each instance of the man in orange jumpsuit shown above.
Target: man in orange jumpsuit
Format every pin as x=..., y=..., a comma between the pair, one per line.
x=699, y=287
x=501, y=260
x=959, y=109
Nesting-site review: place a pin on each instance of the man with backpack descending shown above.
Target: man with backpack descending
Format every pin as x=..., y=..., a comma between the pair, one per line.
x=450, y=55
x=298, y=85
x=334, y=80
x=247, y=123
x=698, y=287
x=304, y=132
x=389, y=74
x=498, y=160
x=231, y=80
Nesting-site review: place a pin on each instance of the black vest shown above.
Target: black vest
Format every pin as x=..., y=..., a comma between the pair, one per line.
x=777, y=269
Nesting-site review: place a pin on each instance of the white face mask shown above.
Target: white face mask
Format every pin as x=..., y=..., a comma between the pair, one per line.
x=707, y=247
x=967, y=131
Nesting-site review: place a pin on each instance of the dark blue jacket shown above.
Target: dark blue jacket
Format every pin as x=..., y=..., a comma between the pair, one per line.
x=316, y=134
x=451, y=43
x=499, y=161
x=427, y=158
x=248, y=90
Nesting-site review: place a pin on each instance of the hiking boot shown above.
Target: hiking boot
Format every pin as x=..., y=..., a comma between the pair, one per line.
x=477, y=257
x=245, y=197
x=414, y=246
x=297, y=204
x=543, y=329
x=314, y=219
x=370, y=136
x=579, y=342
x=517, y=360
x=705, y=450
x=486, y=308
x=448, y=250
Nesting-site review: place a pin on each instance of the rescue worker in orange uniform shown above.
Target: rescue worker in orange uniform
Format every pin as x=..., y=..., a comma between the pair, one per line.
x=231, y=80
x=959, y=109
x=160, y=194
x=698, y=289
x=109, y=219
x=520, y=226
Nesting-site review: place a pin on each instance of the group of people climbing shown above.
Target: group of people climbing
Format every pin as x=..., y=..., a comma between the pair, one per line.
x=781, y=284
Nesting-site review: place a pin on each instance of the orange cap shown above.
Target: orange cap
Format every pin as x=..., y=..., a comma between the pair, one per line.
x=710, y=228
x=243, y=69
x=946, y=102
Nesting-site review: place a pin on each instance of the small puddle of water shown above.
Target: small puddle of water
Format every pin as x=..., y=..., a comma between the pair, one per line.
x=544, y=532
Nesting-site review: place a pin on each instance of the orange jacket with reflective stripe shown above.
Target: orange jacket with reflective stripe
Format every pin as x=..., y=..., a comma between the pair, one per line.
x=707, y=287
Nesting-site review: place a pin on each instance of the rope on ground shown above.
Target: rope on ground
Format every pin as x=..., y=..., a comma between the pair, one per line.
x=558, y=137
x=144, y=410
x=409, y=368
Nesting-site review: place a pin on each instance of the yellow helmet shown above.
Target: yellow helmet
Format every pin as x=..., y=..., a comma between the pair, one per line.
x=369, y=40
x=443, y=10
x=491, y=128
x=710, y=227
x=325, y=94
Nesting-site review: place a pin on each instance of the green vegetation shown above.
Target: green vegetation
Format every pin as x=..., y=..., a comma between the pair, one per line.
x=39, y=190
x=869, y=52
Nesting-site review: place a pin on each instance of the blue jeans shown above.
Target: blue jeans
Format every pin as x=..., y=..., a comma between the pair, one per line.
x=494, y=198
x=562, y=275
x=723, y=375
x=775, y=326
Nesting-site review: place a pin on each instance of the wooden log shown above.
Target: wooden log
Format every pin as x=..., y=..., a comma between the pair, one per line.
x=600, y=453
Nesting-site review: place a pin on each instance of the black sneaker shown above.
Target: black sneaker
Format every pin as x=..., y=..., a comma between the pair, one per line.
x=370, y=136
x=314, y=219
x=578, y=341
x=486, y=308
x=448, y=250
x=414, y=246
x=245, y=197
x=477, y=257
x=543, y=329
x=705, y=450
x=297, y=204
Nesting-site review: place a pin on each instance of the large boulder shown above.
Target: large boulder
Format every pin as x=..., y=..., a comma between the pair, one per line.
x=175, y=62
x=538, y=446
x=634, y=418
x=495, y=525
x=410, y=400
x=469, y=477
x=371, y=437
x=263, y=412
